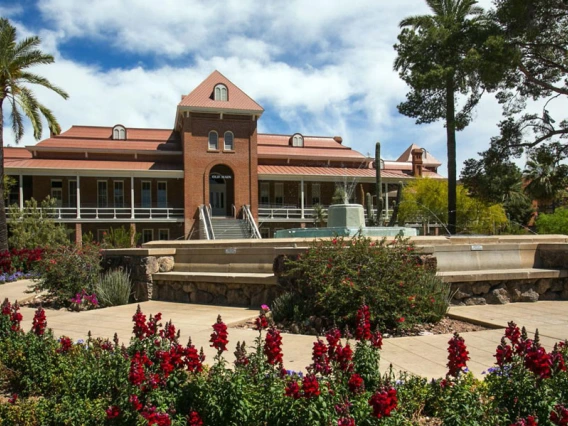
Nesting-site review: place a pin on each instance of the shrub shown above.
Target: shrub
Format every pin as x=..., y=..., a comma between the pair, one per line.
x=19, y=260
x=335, y=275
x=555, y=223
x=113, y=288
x=66, y=271
x=120, y=238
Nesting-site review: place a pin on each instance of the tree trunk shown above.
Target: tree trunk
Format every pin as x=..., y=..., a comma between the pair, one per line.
x=451, y=142
x=3, y=223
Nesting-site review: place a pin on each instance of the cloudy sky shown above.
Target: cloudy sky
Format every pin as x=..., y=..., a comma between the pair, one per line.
x=318, y=67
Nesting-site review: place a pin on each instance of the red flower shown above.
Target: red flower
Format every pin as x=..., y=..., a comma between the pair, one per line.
x=13, y=399
x=504, y=353
x=261, y=323
x=156, y=418
x=194, y=419
x=513, y=333
x=310, y=386
x=39, y=323
x=65, y=344
x=401, y=319
x=333, y=338
x=538, y=361
x=219, y=336
x=559, y=416
x=112, y=412
x=169, y=332
x=193, y=360
x=292, y=389
x=140, y=330
x=137, y=374
x=457, y=355
x=363, y=330
x=136, y=404
x=273, y=346
x=383, y=402
x=356, y=384
x=377, y=339
x=346, y=421
x=344, y=357
x=319, y=356
x=529, y=421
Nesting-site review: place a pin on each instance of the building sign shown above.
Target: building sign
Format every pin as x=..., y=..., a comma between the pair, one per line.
x=218, y=176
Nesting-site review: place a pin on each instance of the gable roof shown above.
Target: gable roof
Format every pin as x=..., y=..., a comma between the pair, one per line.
x=427, y=159
x=201, y=98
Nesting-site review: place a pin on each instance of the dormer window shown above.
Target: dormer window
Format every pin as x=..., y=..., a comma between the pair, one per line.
x=297, y=140
x=220, y=93
x=119, y=132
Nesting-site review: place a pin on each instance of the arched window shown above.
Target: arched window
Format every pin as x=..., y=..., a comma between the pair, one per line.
x=229, y=145
x=118, y=132
x=213, y=140
x=221, y=93
x=297, y=140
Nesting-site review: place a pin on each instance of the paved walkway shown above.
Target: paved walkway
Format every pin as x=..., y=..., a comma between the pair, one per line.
x=424, y=355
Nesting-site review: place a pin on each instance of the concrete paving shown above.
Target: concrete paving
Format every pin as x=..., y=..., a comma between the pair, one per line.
x=423, y=355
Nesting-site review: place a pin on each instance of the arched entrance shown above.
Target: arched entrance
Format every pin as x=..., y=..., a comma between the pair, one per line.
x=221, y=190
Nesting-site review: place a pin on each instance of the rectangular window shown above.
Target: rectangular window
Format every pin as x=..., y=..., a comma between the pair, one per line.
x=118, y=187
x=146, y=199
x=162, y=194
x=57, y=191
x=102, y=193
x=72, y=196
x=278, y=194
x=316, y=193
x=147, y=235
x=163, y=234
x=265, y=193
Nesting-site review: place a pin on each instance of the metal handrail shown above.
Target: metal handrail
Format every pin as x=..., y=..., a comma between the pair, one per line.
x=234, y=211
x=255, y=233
x=204, y=216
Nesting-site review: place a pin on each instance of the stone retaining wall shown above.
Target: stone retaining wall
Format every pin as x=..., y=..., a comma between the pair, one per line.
x=237, y=294
x=507, y=291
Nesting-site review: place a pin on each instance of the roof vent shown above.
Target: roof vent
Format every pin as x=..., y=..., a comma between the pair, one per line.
x=338, y=139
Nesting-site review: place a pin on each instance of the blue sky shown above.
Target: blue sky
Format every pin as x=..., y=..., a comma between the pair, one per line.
x=318, y=67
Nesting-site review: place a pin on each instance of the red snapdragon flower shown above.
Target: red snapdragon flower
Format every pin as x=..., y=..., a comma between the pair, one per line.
x=292, y=389
x=344, y=356
x=356, y=384
x=538, y=362
x=377, y=339
x=273, y=346
x=39, y=323
x=346, y=421
x=136, y=404
x=64, y=344
x=513, y=333
x=529, y=421
x=333, y=338
x=169, y=332
x=194, y=419
x=383, y=402
x=140, y=330
x=219, y=336
x=559, y=416
x=261, y=323
x=310, y=386
x=137, y=374
x=193, y=359
x=504, y=353
x=457, y=355
x=156, y=418
x=320, y=358
x=112, y=412
x=363, y=330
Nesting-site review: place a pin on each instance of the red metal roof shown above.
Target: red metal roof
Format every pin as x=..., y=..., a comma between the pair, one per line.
x=131, y=145
x=202, y=96
x=96, y=132
x=265, y=151
x=327, y=171
x=41, y=163
x=10, y=153
x=309, y=141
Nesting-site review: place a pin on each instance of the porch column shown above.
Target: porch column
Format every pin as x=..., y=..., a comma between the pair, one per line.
x=132, y=197
x=302, y=196
x=386, y=201
x=21, y=192
x=78, y=197
x=78, y=234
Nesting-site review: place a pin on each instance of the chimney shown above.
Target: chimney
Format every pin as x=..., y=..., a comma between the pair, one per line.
x=417, y=162
x=338, y=139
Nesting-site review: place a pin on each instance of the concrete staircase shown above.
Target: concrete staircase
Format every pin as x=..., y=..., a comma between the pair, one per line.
x=229, y=228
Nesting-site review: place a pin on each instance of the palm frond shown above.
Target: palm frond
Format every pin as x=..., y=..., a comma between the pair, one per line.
x=30, y=107
x=51, y=120
x=17, y=122
x=37, y=79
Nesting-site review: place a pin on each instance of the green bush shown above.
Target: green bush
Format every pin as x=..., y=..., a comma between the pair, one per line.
x=555, y=223
x=335, y=276
x=113, y=288
x=120, y=238
x=67, y=271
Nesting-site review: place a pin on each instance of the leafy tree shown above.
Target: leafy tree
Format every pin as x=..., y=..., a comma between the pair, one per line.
x=534, y=46
x=555, y=223
x=34, y=227
x=439, y=57
x=15, y=59
x=425, y=200
x=494, y=180
x=546, y=177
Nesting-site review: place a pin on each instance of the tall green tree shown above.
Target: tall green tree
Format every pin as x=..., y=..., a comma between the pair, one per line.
x=16, y=58
x=441, y=56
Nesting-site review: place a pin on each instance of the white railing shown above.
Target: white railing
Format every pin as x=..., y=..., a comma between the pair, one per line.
x=247, y=215
x=89, y=213
x=205, y=219
x=294, y=212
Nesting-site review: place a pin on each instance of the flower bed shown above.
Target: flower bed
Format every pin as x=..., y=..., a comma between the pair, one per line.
x=157, y=380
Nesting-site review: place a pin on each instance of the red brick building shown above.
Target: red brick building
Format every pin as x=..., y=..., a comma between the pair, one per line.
x=213, y=166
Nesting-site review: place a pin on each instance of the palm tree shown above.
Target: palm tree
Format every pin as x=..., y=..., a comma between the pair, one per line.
x=15, y=59
x=436, y=58
x=546, y=177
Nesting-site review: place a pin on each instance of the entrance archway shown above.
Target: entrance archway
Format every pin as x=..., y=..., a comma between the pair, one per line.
x=221, y=190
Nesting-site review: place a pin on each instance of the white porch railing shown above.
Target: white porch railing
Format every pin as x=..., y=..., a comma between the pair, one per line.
x=105, y=213
x=295, y=213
